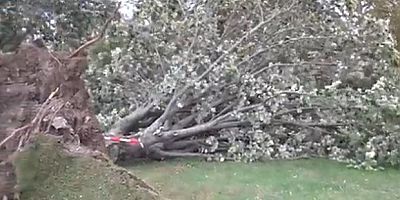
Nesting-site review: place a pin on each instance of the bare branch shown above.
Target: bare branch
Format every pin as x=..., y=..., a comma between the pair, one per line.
x=172, y=104
x=198, y=129
x=224, y=111
x=237, y=43
x=16, y=131
x=147, y=122
x=231, y=124
x=182, y=8
x=172, y=109
x=167, y=124
x=167, y=113
x=161, y=61
x=38, y=117
x=258, y=72
x=263, y=50
x=301, y=109
x=261, y=10
x=177, y=154
x=184, y=122
x=185, y=145
x=321, y=125
x=196, y=35
x=194, y=130
x=226, y=117
x=127, y=123
x=303, y=125
x=54, y=116
x=100, y=36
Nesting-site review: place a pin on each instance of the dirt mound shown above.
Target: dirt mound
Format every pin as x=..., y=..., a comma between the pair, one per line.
x=43, y=92
x=29, y=76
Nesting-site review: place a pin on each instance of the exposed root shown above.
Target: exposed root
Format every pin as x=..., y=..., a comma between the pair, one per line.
x=34, y=124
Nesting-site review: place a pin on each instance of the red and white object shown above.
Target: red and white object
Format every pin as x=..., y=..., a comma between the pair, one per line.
x=117, y=139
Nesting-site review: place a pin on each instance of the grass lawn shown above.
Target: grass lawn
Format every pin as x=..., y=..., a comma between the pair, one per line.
x=46, y=172
x=300, y=179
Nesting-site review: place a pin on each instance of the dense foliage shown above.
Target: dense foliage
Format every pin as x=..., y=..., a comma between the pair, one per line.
x=61, y=24
x=313, y=79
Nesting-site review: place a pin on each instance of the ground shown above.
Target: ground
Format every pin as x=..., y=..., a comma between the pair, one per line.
x=45, y=171
x=300, y=179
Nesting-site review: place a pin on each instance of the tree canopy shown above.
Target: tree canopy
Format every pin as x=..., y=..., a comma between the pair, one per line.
x=61, y=24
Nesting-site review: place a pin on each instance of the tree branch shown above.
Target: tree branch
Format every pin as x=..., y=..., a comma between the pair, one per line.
x=321, y=125
x=129, y=122
x=196, y=34
x=172, y=104
x=183, y=123
x=194, y=130
x=302, y=125
x=186, y=145
x=237, y=43
x=36, y=120
x=177, y=154
x=198, y=129
x=231, y=124
x=223, y=111
x=272, y=65
x=300, y=109
x=263, y=50
x=100, y=36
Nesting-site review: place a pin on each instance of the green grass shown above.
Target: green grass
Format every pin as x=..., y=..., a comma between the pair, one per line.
x=45, y=172
x=301, y=179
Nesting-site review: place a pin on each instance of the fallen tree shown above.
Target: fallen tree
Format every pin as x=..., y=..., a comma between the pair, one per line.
x=215, y=80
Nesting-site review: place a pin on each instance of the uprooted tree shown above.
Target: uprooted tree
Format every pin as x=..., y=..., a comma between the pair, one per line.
x=250, y=80
x=50, y=139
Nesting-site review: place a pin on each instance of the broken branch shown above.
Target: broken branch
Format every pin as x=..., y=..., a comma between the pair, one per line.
x=129, y=122
x=100, y=36
x=38, y=117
